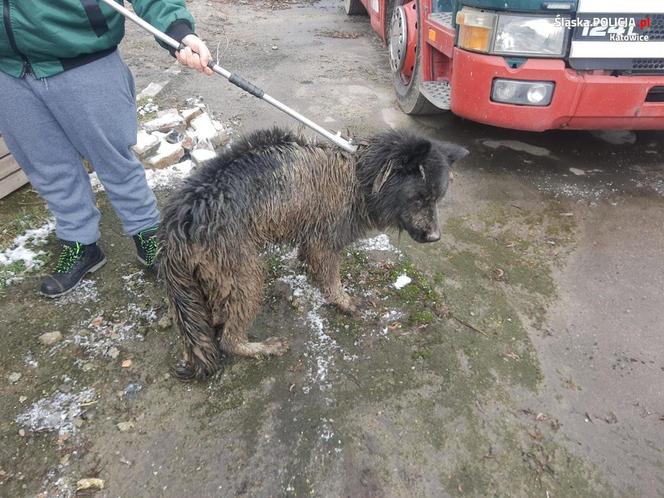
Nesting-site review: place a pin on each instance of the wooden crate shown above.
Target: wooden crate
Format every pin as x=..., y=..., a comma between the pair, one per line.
x=11, y=176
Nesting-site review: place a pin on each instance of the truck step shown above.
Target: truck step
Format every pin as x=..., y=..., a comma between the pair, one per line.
x=439, y=93
x=444, y=19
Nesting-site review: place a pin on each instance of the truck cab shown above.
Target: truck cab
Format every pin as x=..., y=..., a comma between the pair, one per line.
x=526, y=64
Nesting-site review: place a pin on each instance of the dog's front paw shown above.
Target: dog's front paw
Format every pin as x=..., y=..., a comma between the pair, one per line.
x=347, y=305
x=276, y=346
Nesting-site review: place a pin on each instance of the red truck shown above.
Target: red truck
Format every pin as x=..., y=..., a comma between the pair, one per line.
x=527, y=64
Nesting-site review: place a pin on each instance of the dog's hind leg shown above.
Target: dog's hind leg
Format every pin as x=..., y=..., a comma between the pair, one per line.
x=241, y=308
x=324, y=264
x=189, y=304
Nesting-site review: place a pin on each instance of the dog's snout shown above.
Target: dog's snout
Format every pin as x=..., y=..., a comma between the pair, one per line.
x=433, y=236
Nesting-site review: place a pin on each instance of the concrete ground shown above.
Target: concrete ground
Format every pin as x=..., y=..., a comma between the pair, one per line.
x=524, y=359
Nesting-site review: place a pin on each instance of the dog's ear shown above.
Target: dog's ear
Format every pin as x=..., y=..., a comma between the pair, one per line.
x=453, y=152
x=416, y=153
x=413, y=153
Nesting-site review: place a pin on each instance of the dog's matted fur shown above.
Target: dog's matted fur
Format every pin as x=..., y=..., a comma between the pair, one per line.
x=275, y=187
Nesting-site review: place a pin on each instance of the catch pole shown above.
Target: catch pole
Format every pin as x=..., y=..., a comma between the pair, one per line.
x=237, y=80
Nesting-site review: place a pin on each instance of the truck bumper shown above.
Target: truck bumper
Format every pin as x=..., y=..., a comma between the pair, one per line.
x=581, y=101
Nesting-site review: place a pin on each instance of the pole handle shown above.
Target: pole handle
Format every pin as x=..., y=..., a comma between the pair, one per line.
x=245, y=85
x=237, y=80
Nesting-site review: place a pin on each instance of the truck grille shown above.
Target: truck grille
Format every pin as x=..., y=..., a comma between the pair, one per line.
x=656, y=31
x=648, y=65
x=633, y=66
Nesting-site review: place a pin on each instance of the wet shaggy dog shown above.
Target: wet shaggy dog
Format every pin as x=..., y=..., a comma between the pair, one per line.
x=275, y=187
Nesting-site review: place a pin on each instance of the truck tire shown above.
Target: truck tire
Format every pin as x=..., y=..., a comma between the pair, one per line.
x=409, y=98
x=354, y=8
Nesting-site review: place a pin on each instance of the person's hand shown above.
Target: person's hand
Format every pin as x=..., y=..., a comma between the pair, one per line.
x=196, y=54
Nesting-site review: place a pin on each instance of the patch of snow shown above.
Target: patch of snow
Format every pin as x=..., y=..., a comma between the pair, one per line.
x=56, y=486
x=148, y=108
x=23, y=247
x=168, y=177
x=100, y=336
x=321, y=347
x=391, y=316
x=651, y=179
x=30, y=361
x=369, y=314
x=326, y=430
x=290, y=255
x=148, y=315
x=581, y=192
x=402, y=281
x=85, y=293
x=134, y=283
x=378, y=243
x=390, y=321
x=56, y=413
x=157, y=178
x=95, y=182
x=201, y=155
x=654, y=184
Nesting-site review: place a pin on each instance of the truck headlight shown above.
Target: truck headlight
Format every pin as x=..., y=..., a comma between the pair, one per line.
x=508, y=34
x=529, y=35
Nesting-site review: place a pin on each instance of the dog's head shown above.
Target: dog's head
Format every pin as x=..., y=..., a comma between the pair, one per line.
x=404, y=177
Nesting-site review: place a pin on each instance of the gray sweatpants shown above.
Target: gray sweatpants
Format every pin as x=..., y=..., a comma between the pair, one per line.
x=90, y=112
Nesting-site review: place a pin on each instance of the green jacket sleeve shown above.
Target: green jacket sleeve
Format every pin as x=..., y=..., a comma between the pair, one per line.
x=169, y=16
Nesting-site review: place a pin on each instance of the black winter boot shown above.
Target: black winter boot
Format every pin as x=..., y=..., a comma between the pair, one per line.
x=76, y=260
x=147, y=245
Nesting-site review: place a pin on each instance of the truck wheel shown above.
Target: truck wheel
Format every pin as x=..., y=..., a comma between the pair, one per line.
x=405, y=59
x=354, y=8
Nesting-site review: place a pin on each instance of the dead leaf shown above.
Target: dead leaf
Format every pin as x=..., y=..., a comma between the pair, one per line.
x=125, y=426
x=536, y=434
x=89, y=483
x=512, y=355
x=126, y=364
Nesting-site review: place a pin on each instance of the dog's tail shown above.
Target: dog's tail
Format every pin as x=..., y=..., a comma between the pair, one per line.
x=202, y=352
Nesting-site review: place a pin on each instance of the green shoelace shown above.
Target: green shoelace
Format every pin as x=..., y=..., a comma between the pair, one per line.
x=68, y=257
x=150, y=245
